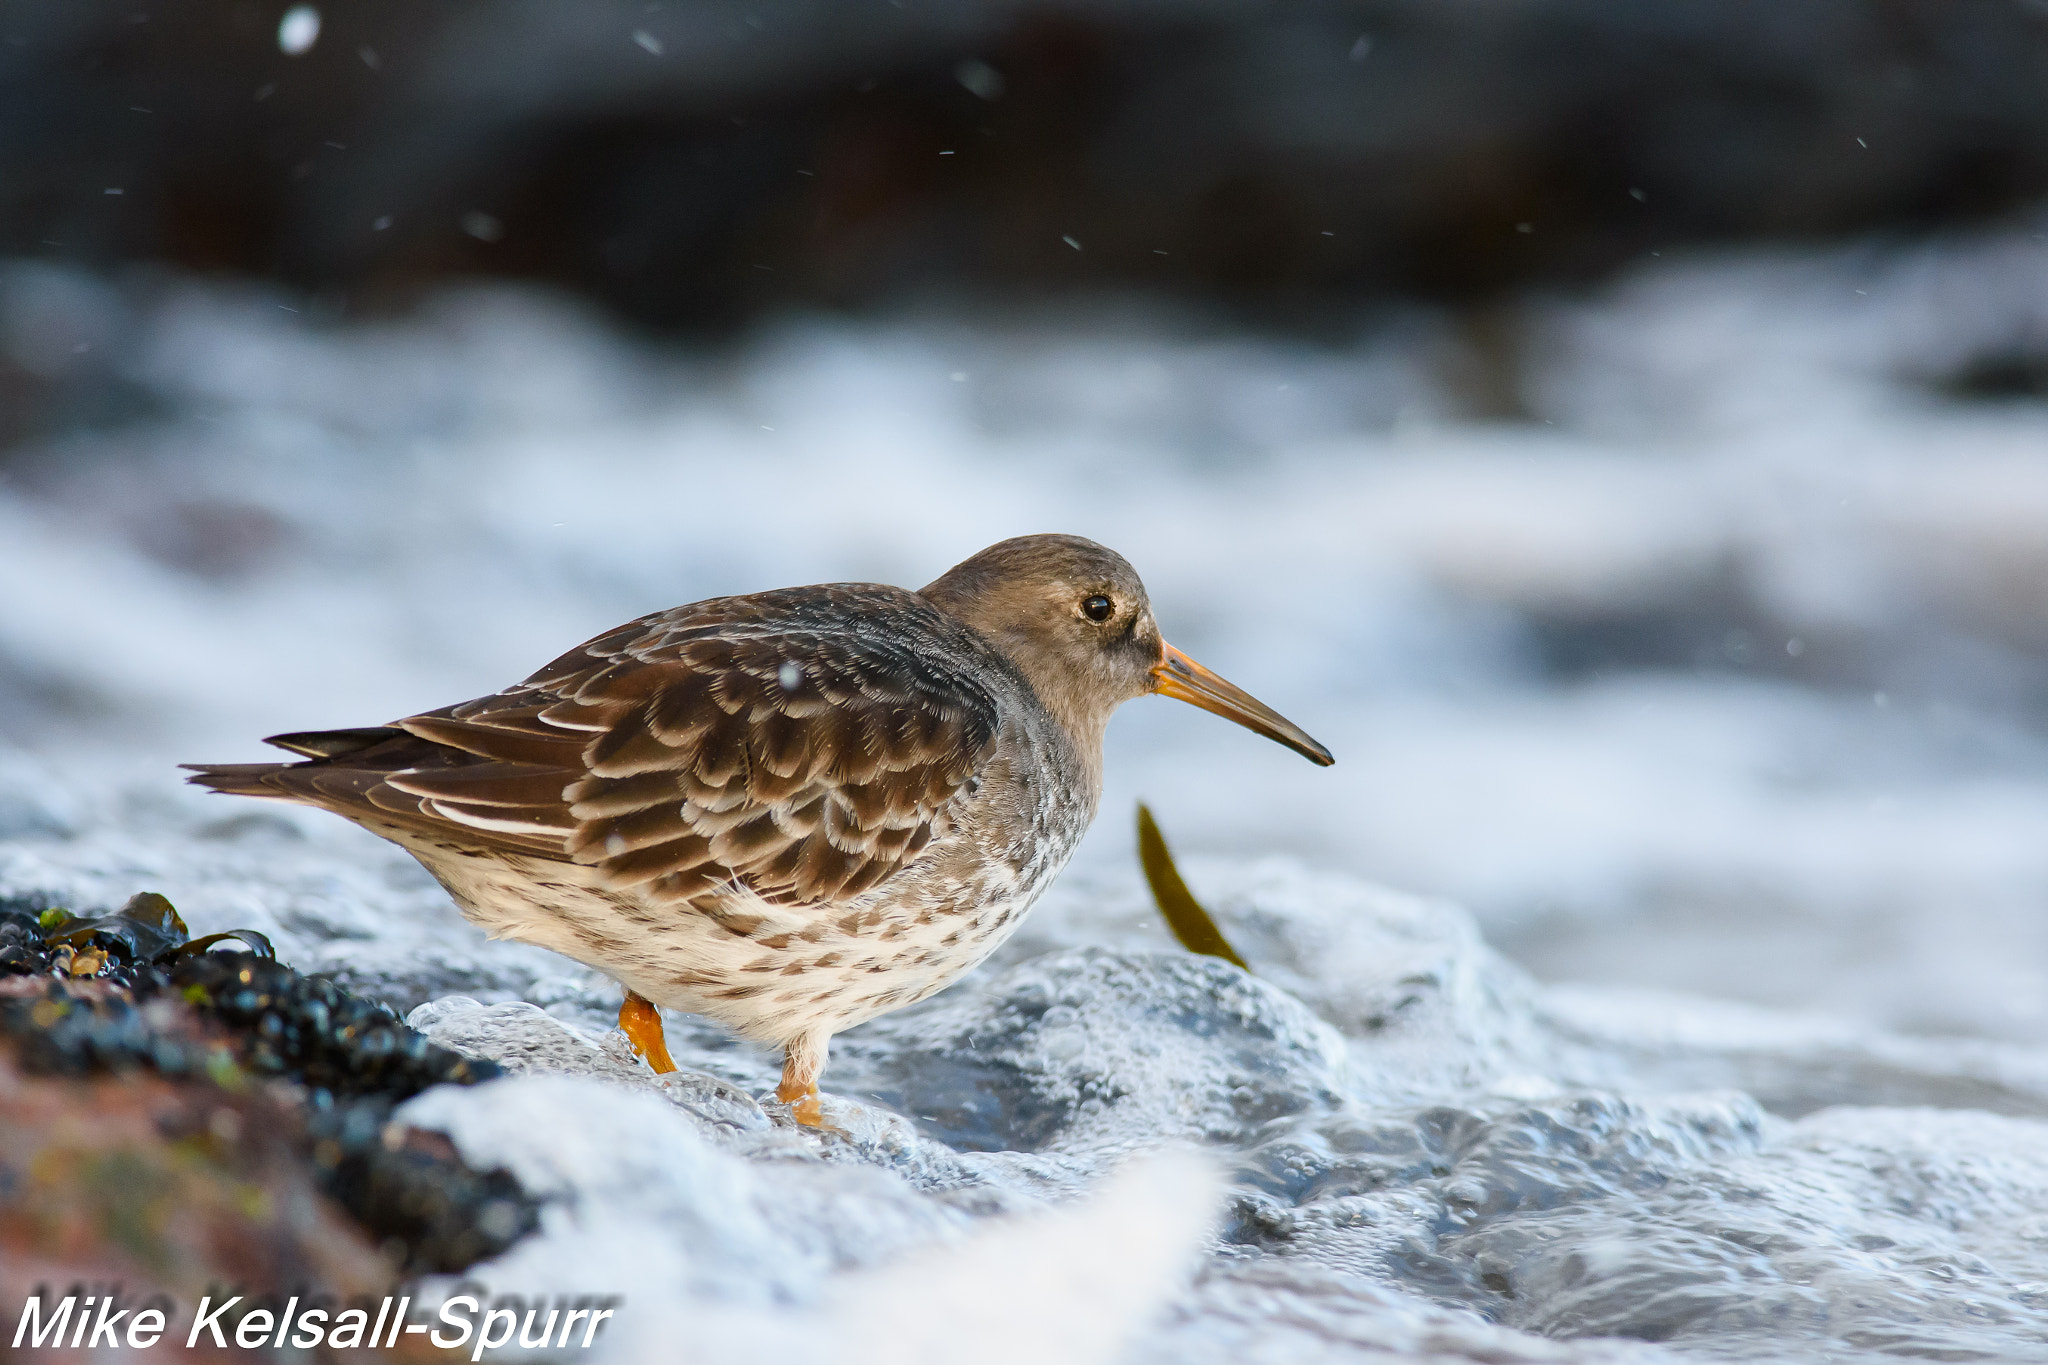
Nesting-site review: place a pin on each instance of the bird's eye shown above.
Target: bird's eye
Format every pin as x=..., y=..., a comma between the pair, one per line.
x=1098, y=608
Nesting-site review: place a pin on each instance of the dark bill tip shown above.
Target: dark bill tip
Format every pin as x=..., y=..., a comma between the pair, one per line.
x=1178, y=676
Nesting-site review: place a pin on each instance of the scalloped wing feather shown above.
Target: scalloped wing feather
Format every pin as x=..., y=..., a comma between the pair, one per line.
x=790, y=744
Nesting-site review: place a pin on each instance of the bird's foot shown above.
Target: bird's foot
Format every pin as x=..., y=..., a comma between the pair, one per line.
x=803, y=1058
x=640, y=1021
x=803, y=1104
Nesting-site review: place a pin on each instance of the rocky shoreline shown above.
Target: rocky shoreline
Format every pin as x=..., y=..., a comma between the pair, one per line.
x=1382, y=1142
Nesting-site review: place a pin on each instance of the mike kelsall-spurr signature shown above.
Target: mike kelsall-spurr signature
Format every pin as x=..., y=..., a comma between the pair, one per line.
x=88, y=1320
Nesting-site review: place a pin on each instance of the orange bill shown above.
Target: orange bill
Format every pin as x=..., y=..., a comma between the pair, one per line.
x=1176, y=675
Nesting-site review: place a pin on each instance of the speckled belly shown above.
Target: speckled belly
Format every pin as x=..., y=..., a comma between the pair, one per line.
x=770, y=973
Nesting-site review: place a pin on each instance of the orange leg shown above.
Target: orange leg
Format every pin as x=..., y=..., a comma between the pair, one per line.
x=802, y=1060
x=642, y=1025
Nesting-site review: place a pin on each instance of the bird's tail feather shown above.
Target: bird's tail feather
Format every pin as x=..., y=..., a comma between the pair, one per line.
x=238, y=779
x=334, y=743
x=254, y=779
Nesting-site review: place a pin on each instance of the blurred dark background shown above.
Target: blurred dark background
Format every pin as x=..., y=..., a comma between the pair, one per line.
x=691, y=164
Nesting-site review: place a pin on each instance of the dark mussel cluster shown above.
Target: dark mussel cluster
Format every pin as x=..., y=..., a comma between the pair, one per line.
x=315, y=1032
x=352, y=1061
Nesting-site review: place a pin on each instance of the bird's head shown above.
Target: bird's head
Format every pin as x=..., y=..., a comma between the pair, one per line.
x=1074, y=618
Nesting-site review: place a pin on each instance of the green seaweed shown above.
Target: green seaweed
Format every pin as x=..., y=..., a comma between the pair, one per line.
x=1191, y=924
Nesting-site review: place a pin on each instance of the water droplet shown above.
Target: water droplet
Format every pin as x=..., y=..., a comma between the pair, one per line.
x=980, y=78
x=298, y=30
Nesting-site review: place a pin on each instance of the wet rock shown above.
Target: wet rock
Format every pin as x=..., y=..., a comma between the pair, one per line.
x=162, y=1186
x=1429, y=1008
x=525, y=1039
x=317, y=1033
x=405, y=977
x=128, y=996
x=1086, y=1050
x=1424, y=1155
x=517, y=1036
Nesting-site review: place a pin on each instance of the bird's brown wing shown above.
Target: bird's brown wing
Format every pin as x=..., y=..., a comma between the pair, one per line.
x=803, y=749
